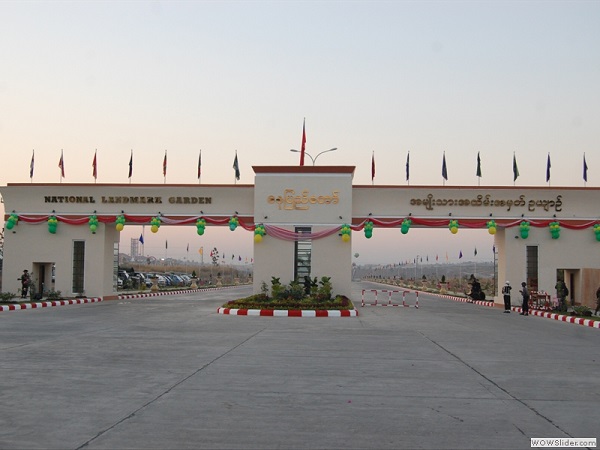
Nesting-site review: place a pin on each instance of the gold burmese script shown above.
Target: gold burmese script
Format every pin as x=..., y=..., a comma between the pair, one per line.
x=430, y=202
x=290, y=201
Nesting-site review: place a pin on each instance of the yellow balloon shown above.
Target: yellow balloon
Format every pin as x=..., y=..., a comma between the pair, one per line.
x=492, y=230
x=119, y=227
x=345, y=237
x=453, y=230
x=257, y=238
x=154, y=228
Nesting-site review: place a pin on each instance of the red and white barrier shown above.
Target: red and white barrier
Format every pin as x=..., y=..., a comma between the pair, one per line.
x=390, y=302
x=416, y=305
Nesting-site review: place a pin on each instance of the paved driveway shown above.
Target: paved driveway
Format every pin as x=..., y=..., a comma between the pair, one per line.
x=169, y=372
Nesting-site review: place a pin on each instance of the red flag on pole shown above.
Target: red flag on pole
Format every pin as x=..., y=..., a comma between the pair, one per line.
x=165, y=165
x=61, y=164
x=303, y=147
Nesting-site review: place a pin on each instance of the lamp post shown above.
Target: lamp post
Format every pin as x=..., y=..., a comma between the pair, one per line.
x=315, y=158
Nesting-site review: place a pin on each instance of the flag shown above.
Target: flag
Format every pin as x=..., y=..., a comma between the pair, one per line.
x=373, y=167
x=165, y=165
x=201, y=250
x=199, y=164
x=475, y=252
x=515, y=168
x=494, y=249
x=240, y=258
x=444, y=169
x=61, y=164
x=548, y=165
x=478, y=165
x=188, y=247
x=408, y=166
x=460, y=255
x=436, y=257
x=236, y=167
x=131, y=165
x=585, y=168
x=166, y=244
x=95, y=166
x=32, y=164
x=141, y=239
x=446, y=256
x=303, y=146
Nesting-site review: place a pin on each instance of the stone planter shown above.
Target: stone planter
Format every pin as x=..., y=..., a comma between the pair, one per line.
x=194, y=284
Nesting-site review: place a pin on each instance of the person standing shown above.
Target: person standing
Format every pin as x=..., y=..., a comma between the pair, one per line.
x=506, y=292
x=561, y=294
x=525, y=293
x=25, y=281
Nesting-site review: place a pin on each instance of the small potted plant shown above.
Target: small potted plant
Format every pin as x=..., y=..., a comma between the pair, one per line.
x=194, y=284
x=443, y=285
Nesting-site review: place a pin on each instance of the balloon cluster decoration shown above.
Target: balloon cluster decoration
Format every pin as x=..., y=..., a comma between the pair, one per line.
x=597, y=231
x=200, y=226
x=453, y=226
x=554, y=229
x=259, y=232
x=491, y=226
x=52, y=224
x=524, y=229
x=233, y=223
x=368, y=229
x=345, y=231
x=406, y=223
x=120, y=222
x=155, y=224
x=11, y=221
x=93, y=223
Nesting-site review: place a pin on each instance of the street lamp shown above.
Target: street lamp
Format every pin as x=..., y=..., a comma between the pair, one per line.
x=315, y=158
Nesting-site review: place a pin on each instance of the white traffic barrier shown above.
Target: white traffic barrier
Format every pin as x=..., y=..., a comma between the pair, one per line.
x=363, y=297
x=416, y=305
x=390, y=302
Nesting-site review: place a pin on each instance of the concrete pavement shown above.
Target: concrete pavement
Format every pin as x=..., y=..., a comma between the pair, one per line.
x=169, y=372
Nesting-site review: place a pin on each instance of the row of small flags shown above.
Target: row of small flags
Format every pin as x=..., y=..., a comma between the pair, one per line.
x=420, y=259
x=236, y=167
x=61, y=165
x=201, y=250
x=478, y=171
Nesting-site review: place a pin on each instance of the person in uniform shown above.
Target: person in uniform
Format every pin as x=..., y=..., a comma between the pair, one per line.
x=506, y=293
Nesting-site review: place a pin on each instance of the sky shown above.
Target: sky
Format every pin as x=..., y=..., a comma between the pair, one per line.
x=380, y=78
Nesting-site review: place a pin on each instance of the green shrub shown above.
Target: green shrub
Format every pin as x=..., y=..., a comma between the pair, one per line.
x=7, y=296
x=54, y=295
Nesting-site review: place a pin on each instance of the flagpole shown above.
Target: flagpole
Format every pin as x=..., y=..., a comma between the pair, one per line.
x=408, y=169
x=373, y=168
x=95, y=166
x=62, y=165
x=165, y=167
x=584, y=171
x=200, y=167
x=130, y=166
x=32, y=165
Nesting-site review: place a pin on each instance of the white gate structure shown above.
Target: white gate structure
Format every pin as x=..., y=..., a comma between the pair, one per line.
x=390, y=298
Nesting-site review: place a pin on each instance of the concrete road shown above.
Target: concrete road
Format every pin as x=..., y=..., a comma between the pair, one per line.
x=169, y=372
